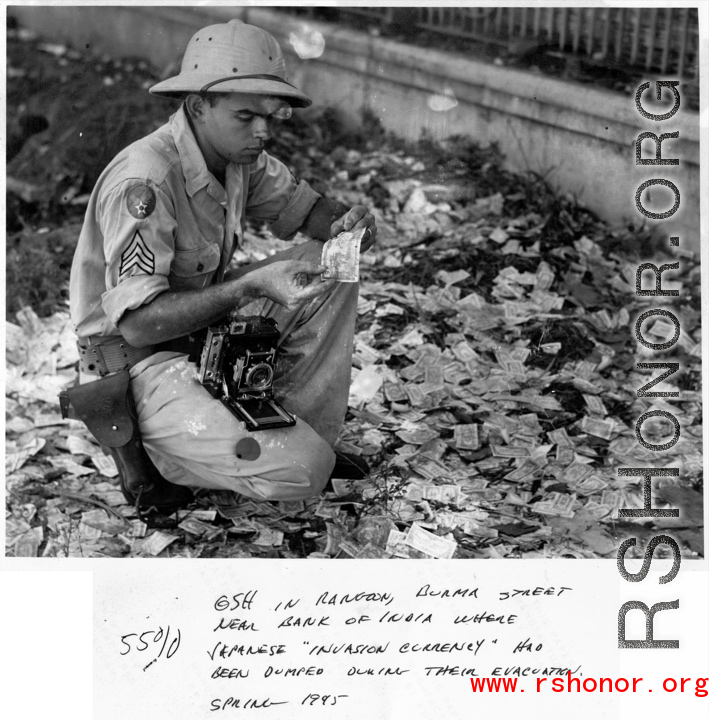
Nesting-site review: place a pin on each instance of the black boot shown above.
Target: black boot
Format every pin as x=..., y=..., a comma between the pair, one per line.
x=143, y=486
x=349, y=467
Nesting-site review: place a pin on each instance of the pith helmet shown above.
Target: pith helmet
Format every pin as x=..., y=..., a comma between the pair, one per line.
x=233, y=57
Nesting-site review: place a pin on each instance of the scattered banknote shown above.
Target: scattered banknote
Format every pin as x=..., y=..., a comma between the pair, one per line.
x=101, y=520
x=415, y=394
x=509, y=451
x=591, y=484
x=464, y=352
x=430, y=470
x=341, y=256
x=327, y=511
x=138, y=529
x=105, y=464
x=417, y=436
x=545, y=276
x=371, y=551
x=612, y=498
x=433, y=545
x=156, y=543
x=597, y=510
x=599, y=428
x=576, y=472
x=556, y=504
x=68, y=465
x=466, y=437
x=565, y=455
x=27, y=545
x=89, y=532
x=14, y=461
x=447, y=494
x=243, y=526
x=291, y=507
x=560, y=437
x=595, y=404
x=195, y=526
x=268, y=537
x=79, y=446
x=396, y=544
x=524, y=471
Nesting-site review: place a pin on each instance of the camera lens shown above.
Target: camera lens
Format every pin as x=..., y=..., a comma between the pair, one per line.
x=259, y=376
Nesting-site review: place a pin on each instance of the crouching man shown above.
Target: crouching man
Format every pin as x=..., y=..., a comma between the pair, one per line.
x=152, y=267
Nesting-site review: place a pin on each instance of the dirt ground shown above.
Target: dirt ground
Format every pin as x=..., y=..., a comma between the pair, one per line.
x=494, y=377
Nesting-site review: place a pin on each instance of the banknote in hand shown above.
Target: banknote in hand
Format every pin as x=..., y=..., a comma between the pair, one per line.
x=341, y=256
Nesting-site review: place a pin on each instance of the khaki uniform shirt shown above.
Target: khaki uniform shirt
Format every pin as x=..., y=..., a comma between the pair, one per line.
x=158, y=220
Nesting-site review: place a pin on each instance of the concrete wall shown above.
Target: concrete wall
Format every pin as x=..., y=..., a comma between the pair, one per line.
x=581, y=138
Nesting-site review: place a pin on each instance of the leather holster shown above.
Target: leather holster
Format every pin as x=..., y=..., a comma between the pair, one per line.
x=107, y=408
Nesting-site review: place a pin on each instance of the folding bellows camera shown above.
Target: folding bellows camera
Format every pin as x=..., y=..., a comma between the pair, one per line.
x=237, y=365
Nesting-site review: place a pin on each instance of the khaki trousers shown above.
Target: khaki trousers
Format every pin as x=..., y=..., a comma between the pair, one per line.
x=192, y=438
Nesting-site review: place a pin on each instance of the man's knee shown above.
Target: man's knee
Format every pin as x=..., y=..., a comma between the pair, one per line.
x=317, y=479
x=204, y=445
x=301, y=486
x=307, y=487
x=314, y=481
x=301, y=467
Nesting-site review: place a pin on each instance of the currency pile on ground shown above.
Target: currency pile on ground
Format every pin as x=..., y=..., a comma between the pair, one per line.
x=493, y=388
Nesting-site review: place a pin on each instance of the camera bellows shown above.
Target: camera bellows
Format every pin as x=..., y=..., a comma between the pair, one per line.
x=237, y=366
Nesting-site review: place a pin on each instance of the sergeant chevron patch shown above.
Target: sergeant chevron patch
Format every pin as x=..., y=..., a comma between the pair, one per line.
x=137, y=255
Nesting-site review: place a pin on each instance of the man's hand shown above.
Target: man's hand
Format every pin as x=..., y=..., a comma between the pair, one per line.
x=287, y=282
x=172, y=314
x=354, y=219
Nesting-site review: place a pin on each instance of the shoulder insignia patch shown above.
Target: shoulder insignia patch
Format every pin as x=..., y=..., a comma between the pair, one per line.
x=141, y=201
x=137, y=255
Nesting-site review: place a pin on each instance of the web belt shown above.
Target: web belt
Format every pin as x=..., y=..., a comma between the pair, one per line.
x=105, y=355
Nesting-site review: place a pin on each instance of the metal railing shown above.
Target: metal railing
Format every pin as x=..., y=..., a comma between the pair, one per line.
x=663, y=40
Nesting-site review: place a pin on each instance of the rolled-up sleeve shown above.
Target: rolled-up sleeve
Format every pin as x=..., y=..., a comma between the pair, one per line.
x=275, y=196
x=137, y=220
